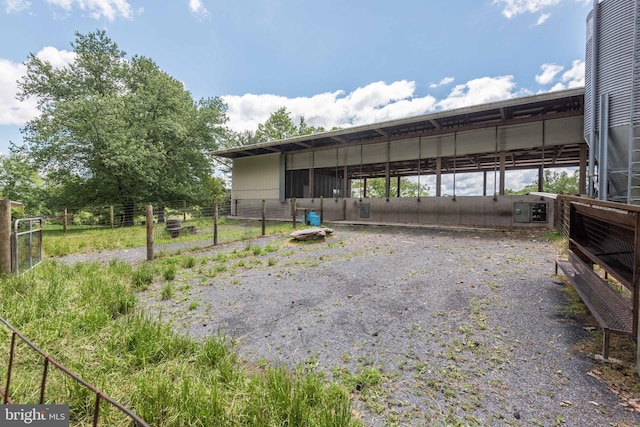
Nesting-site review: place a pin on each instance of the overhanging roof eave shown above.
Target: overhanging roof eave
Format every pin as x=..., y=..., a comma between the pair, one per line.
x=494, y=112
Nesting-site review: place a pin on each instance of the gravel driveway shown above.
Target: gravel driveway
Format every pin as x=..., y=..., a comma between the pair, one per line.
x=463, y=326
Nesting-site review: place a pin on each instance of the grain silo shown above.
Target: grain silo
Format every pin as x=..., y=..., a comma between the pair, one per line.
x=612, y=100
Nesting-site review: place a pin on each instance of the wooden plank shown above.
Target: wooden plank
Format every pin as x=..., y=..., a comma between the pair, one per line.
x=611, y=216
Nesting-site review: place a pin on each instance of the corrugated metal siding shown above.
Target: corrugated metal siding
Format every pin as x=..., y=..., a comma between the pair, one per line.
x=636, y=59
x=588, y=86
x=615, y=58
x=256, y=177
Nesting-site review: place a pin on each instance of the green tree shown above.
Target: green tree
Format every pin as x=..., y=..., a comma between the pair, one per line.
x=376, y=188
x=554, y=182
x=114, y=130
x=279, y=125
x=21, y=182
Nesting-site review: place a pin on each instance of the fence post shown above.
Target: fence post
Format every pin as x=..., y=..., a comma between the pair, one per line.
x=64, y=221
x=111, y=216
x=321, y=209
x=5, y=236
x=215, y=223
x=264, y=215
x=294, y=211
x=149, y=221
x=184, y=210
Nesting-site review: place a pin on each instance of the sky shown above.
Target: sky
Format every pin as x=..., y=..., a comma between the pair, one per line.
x=336, y=62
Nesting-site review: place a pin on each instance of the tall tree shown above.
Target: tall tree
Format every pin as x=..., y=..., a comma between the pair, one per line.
x=279, y=125
x=20, y=181
x=119, y=131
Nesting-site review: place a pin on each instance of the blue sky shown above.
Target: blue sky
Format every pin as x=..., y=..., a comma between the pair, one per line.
x=336, y=62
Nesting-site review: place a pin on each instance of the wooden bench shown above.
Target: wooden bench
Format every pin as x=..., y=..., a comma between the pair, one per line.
x=611, y=310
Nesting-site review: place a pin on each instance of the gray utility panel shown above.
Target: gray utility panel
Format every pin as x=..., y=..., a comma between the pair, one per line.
x=529, y=212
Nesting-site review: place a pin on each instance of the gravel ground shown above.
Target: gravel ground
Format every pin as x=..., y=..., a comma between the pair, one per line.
x=464, y=326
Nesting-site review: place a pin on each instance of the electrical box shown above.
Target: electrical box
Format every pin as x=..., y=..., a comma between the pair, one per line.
x=539, y=212
x=364, y=210
x=530, y=212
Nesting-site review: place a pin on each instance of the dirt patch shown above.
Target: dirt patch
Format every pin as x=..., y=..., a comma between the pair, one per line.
x=428, y=326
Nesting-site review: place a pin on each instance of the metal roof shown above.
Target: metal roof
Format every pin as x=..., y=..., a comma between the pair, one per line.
x=513, y=111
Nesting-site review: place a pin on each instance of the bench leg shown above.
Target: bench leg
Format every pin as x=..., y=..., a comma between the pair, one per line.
x=605, y=343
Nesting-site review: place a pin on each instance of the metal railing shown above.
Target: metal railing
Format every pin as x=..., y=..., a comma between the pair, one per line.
x=48, y=360
x=26, y=244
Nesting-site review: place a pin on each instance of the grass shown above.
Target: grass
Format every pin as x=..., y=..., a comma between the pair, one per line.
x=87, y=318
x=89, y=239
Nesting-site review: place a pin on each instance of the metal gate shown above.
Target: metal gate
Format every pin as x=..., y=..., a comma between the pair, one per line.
x=26, y=244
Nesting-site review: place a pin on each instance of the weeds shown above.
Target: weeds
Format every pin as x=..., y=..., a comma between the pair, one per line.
x=86, y=317
x=142, y=277
x=167, y=292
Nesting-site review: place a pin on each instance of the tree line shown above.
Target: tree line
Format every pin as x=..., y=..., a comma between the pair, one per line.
x=117, y=130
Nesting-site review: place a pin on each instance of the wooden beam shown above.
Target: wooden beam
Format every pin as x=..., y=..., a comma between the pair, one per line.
x=339, y=139
x=381, y=132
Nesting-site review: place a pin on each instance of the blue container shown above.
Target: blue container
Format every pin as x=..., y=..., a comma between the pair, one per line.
x=313, y=219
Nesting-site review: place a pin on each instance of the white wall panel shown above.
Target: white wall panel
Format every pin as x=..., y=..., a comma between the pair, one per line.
x=563, y=131
x=301, y=160
x=325, y=159
x=375, y=153
x=404, y=149
x=437, y=146
x=528, y=135
x=256, y=177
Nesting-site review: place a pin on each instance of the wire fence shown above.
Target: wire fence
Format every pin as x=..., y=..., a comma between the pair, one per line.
x=177, y=226
x=26, y=244
x=23, y=352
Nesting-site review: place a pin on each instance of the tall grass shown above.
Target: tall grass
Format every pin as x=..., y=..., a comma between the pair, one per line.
x=86, y=317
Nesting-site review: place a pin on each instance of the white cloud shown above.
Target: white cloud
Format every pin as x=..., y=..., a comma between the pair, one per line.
x=372, y=103
x=549, y=72
x=512, y=8
x=196, y=6
x=375, y=102
x=542, y=19
x=445, y=81
x=15, y=6
x=110, y=9
x=57, y=58
x=572, y=78
x=12, y=111
x=480, y=91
